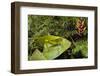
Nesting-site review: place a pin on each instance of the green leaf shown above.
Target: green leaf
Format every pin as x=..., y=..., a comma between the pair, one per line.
x=53, y=47
x=37, y=55
x=52, y=51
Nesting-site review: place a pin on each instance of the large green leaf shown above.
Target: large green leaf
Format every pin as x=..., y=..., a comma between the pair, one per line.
x=53, y=51
x=53, y=47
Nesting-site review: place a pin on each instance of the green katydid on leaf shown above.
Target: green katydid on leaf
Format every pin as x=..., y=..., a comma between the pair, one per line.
x=54, y=46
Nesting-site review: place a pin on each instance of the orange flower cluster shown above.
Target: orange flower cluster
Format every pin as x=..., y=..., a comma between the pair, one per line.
x=80, y=25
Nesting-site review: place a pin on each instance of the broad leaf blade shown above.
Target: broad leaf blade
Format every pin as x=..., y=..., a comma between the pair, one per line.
x=53, y=51
x=37, y=55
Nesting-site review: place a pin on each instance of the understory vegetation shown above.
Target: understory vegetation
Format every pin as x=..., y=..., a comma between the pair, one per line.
x=57, y=37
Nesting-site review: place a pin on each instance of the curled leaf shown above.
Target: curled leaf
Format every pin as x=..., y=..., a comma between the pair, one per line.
x=54, y=46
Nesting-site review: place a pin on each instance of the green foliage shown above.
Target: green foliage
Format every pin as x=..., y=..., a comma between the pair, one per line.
x=53, y=47
x=81, y=48
x=41, y=28
x=37, y=55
